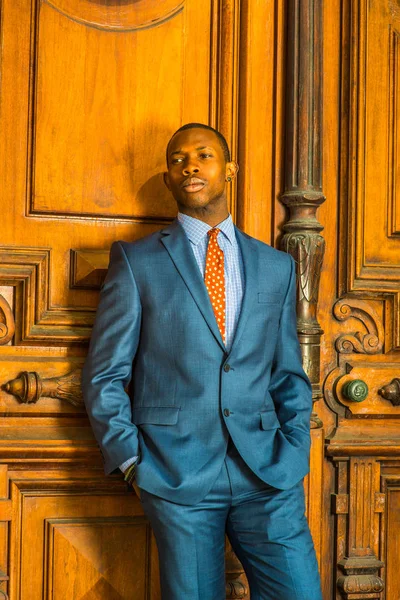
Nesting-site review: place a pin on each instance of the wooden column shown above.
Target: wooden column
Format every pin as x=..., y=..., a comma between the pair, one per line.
x=303, y=174
x=303, y=195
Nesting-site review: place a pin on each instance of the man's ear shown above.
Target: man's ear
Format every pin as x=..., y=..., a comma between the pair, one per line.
x=231, y=169
x=166, y=180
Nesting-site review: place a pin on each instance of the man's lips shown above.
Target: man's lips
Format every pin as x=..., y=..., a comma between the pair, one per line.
x=193, y=184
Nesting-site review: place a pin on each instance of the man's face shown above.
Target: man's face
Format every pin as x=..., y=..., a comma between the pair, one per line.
x=197, y=170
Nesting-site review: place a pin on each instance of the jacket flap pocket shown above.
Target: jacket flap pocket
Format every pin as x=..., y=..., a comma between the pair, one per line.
x=269, y=420
x=269, y=298
x=155, y=415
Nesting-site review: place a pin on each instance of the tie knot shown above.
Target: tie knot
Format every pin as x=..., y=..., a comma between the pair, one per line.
x=213, y=232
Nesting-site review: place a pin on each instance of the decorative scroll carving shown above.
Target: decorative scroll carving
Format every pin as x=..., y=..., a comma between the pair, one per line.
x=391, y=391
x=361, y=342
x=7, y=323
x=303, y=176
x=29, y=387
x=88, y=268
x=234, y=588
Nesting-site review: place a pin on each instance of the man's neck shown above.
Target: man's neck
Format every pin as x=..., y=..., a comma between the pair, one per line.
x=211, y=219
x=210, y=224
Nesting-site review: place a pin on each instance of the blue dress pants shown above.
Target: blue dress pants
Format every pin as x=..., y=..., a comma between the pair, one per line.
x=266, y=527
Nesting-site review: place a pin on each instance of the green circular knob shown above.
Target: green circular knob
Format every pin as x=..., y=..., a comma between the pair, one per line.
x=356, y=390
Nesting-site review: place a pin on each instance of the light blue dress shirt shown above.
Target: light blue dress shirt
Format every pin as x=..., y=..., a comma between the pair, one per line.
x=196, y=232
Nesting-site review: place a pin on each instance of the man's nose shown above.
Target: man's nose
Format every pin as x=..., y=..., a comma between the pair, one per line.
x=190, y=168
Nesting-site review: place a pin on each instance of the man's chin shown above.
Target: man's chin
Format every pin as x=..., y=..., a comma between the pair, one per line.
x=194, y=201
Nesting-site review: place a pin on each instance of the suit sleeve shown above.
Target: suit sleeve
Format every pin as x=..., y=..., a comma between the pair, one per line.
x=290, y=387
x=108, y=367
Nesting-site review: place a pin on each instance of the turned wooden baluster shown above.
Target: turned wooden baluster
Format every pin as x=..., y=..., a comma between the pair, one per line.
x=303, y=175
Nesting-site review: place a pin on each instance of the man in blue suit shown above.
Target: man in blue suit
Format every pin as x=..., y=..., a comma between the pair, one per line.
x=217, y=432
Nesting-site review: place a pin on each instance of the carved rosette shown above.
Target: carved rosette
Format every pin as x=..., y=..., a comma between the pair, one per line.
x=29, y=387
x=303, y=175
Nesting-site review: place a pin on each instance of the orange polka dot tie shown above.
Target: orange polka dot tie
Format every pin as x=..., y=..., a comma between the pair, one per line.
x=214, y=278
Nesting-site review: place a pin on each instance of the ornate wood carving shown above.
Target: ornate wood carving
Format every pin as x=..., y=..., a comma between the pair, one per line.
x=7, y=323
x=358, y=529
x=30, y=387
x=391, y=391
x=88, y=268
x=360, y=584
x=366, y=441
x=368, y=508
x=303, y=174
x=28, y=269
x=369, y=342
x=367, y=380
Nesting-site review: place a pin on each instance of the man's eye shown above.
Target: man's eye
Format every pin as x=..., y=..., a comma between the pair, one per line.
x=206, y=155
x=176, y=161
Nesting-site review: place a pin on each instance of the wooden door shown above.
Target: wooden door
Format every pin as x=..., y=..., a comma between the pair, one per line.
x=359, y=300
x=90, y=93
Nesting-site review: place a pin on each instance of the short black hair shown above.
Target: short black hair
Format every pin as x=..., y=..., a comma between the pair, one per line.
x=221, y=139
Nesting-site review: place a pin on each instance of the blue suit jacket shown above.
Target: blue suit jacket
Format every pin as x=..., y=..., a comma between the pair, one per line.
x=155, y=330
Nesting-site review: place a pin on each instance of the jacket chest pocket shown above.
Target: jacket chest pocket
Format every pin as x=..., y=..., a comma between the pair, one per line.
x=270, y=298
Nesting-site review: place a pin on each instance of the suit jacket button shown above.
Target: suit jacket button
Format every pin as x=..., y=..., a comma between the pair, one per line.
x=227, y=368
x=226, y=412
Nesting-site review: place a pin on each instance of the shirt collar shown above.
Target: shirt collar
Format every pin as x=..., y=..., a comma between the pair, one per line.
x=196, y=230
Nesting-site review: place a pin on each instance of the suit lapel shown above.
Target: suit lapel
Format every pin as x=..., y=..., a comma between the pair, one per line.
x=249, y=253
x=178, y=247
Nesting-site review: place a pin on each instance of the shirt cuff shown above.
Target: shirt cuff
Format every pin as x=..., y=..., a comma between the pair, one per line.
x=125, y=465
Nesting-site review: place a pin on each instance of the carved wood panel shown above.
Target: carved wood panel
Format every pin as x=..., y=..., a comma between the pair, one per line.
x=90, y=94
x=104, y=79
x=69, y=531
x=367, y=509
x=370, y=137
